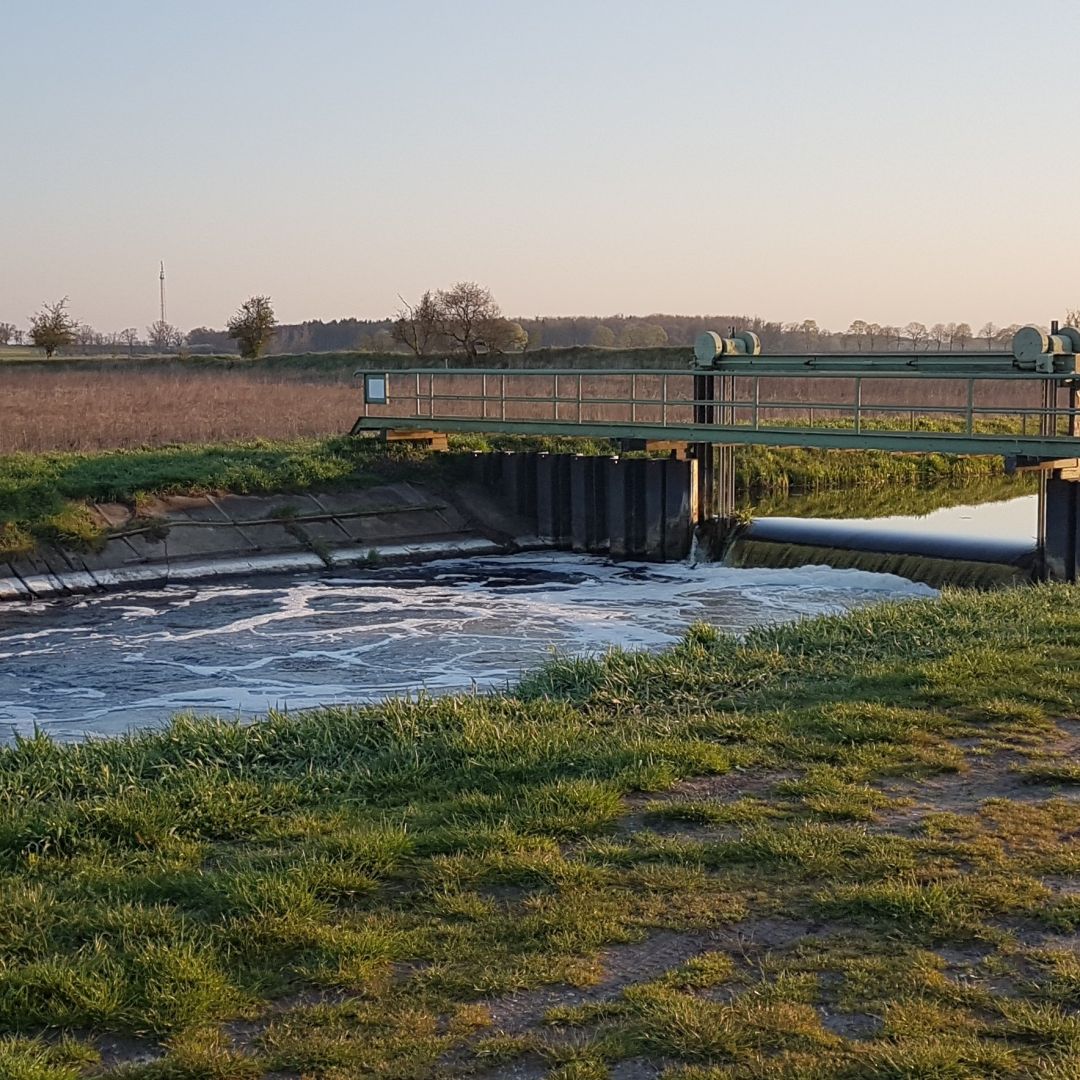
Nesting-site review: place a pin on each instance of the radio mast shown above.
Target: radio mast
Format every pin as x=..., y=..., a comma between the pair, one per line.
x=162, y=279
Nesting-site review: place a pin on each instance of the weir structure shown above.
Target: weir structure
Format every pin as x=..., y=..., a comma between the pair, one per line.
x=1021, y=405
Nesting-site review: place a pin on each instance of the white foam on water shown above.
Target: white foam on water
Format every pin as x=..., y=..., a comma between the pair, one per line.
x=106, y=664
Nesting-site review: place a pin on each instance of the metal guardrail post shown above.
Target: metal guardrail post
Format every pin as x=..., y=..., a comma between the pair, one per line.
x=858, y=405
x=970, y=429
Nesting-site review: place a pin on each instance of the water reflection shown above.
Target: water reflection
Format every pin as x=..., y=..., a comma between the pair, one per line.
x=892, y=501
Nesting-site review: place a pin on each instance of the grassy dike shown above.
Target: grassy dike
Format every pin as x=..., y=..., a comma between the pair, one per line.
x=839, y=848
x=43, y=496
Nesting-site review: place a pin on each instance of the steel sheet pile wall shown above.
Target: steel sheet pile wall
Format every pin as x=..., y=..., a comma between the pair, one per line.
x=628, y=508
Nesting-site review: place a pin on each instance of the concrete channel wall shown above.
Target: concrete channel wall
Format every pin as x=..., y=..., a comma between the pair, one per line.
x=626, y=508
x=189, y=538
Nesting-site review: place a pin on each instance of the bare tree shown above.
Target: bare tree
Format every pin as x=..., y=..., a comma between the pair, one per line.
x=939, y=332
x=419, y=327
x=163, y=335
x=85, y=334
x=893, y=337
x=874, y=333
x=916, y=331
x=130, y=337
x=1006, y=334
x=962, y=334
x=7, y=332
x=857, y=331
x=990, y=332
x=466, y=309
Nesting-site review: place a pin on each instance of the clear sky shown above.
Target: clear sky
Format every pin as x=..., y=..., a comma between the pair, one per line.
x=833, y=159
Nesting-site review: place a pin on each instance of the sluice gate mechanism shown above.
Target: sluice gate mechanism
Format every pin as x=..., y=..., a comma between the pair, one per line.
x=1020, y=405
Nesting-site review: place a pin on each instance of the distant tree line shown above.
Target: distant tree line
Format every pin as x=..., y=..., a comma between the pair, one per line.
x=465, y=318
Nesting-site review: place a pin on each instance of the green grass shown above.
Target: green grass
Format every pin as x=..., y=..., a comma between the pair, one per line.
x=765, y=470
x=352, y=892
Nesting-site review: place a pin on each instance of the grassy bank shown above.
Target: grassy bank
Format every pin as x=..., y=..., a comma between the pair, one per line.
x=843, y=848
x=42, y=496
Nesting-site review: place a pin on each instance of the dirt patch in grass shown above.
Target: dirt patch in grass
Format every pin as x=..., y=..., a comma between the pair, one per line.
x=622, y=966
x=998, y=774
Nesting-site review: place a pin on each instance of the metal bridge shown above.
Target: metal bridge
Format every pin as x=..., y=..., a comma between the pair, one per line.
x=1021, y=405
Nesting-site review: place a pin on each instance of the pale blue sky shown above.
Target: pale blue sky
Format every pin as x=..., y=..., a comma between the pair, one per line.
x=829, y=159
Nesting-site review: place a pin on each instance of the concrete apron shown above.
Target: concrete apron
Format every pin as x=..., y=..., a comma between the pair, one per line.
x=151, y=575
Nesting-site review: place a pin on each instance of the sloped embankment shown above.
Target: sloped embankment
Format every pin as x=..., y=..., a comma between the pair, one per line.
x=185, y=537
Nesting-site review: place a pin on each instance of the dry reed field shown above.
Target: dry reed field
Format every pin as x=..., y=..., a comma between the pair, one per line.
x=99, y=410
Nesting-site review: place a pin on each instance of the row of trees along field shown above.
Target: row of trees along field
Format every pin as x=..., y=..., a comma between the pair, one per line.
x=54, y=328
x=466, y=318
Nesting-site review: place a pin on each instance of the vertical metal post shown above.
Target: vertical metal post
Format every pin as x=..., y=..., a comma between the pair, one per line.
x=664, y=399
x=757, y=400
x=633, y=399
x=483, y=394
x=579, y=398
x=417, y=393
x=502, y=397
x=704, y=392
x=971, y=406
x=555, y=392
x=858, y=405
x=1046, y=424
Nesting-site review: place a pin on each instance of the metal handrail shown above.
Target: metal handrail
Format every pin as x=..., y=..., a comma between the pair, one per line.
x=739, y=415
x=762, y=372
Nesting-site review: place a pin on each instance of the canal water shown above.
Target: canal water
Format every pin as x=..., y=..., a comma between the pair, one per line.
x=104, y=665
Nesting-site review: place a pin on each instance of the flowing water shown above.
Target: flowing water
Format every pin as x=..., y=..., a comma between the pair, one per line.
x=103, y=665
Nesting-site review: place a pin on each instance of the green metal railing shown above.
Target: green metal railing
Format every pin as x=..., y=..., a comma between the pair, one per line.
x=977, y=406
